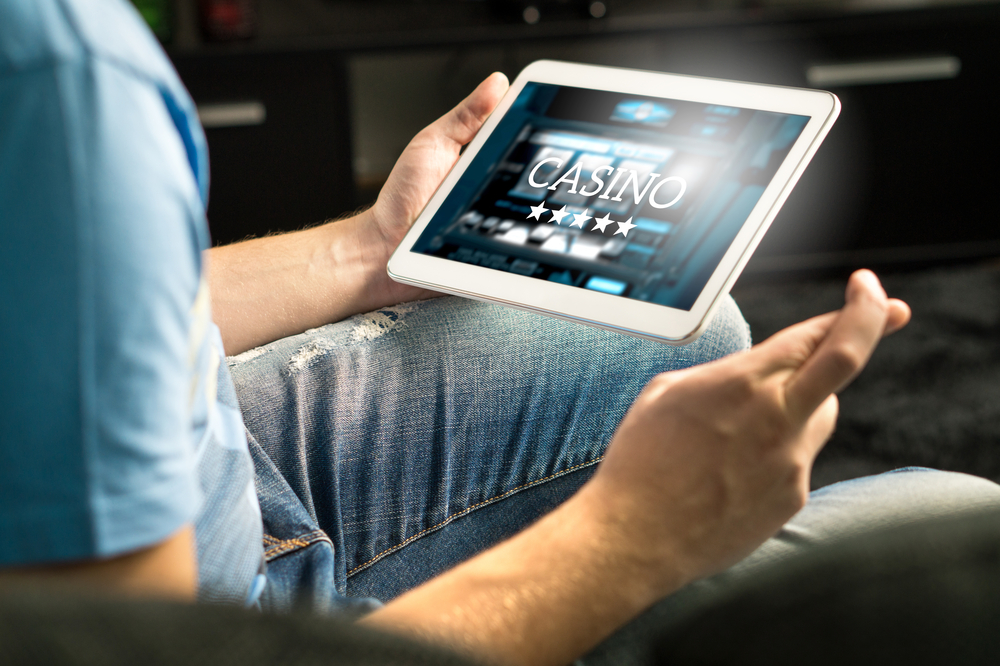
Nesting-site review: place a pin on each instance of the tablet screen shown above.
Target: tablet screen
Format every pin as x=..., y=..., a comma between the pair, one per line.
x=634, y=196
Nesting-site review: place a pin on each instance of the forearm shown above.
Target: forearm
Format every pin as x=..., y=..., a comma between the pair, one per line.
x=268, y=288
x=546, y=596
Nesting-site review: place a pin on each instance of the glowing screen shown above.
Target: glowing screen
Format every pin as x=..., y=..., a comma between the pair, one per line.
x=633, y=196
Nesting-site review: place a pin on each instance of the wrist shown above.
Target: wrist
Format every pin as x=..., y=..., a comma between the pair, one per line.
x=368, y=239
x=650, y=566
x=350, y=244
x=357, y=256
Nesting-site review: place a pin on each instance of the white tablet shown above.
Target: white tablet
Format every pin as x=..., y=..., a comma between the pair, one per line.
x=616, y=198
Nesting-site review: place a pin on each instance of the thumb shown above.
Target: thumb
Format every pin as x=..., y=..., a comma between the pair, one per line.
x=461, y=123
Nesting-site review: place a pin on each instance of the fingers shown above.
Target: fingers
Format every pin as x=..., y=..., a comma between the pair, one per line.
x=461, y=123
x=899, y=316
x=846, y=347
x=819, y=428
x=789, y=348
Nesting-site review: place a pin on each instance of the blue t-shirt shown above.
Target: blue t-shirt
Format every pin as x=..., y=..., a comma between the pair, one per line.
x=118, y=420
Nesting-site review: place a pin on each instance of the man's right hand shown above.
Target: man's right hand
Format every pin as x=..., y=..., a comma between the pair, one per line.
x=708, y=463
x=712, y=460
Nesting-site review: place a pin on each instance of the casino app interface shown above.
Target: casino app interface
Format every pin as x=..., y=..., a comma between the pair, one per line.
x=627, y=195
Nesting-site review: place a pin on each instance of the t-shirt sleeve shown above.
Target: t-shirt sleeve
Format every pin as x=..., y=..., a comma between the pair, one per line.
x=100, y=260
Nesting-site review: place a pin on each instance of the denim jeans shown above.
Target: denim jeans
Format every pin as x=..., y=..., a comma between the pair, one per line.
x=393, y=445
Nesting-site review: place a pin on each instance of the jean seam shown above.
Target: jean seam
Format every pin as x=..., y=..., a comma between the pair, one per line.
x=275, y=548
x=470, y=509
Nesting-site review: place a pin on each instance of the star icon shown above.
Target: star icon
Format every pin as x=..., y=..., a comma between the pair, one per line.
x=558, y=215
x=623, y=227
x=579, y=219
x=601, y=223
x=538, y=211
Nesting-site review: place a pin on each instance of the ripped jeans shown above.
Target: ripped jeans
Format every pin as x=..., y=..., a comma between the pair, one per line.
x=391, y=446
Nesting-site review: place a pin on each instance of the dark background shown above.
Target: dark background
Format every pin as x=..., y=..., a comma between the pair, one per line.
x=346, y=84
x=905, y=182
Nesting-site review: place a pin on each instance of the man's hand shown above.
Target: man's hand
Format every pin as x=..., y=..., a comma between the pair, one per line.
x=418, y=173
x=708, y=463
x=268, y=288
x=427, y=160
x=712, y=460
x=727, y=448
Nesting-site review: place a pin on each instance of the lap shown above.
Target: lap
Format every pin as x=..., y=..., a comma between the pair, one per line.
x=395, y=444
x=408, y=424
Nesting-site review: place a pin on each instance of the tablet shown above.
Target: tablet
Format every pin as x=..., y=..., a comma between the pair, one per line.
x=616, y=198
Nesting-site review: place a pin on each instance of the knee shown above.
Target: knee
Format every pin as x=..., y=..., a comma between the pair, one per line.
x=728, y=332
x=890, y=500
x=872, y=505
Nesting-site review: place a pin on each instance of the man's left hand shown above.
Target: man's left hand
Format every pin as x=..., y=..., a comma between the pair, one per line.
x=420, y=170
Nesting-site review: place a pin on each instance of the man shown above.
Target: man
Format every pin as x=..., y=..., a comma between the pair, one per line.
x=385, y=448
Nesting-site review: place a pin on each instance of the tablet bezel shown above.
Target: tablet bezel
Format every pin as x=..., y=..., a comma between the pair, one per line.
x=619, y=313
